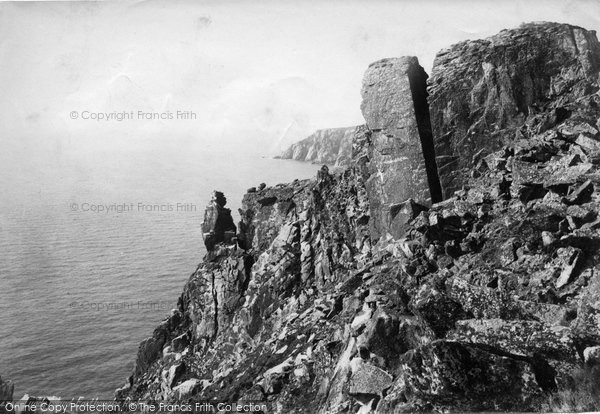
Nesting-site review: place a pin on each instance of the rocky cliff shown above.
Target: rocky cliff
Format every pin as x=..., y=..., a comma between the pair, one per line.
x=486, y=93
x=453, y=265
x=332, y=146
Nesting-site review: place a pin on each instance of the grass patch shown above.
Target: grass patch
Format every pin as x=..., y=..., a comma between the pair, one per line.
x=581, y=395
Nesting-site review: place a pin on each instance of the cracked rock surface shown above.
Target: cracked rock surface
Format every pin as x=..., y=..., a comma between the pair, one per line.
x=484, y=94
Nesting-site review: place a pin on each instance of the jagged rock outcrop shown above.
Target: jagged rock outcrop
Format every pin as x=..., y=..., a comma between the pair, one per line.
x=217, y=226
x=485, y=301
x=331, y=146
x=282, y=281
x=484, y=94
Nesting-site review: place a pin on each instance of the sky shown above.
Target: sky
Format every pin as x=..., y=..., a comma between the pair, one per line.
x=258, y=75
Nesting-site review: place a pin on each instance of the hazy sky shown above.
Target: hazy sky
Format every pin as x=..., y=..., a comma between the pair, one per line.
x=258, y=75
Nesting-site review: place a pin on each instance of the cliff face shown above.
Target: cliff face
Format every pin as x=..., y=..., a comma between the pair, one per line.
x=360, y=291
x=483, y=91
x=332, y=146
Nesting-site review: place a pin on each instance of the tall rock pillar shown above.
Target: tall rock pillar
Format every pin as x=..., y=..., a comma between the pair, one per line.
x=401, y=158
x=217, y=226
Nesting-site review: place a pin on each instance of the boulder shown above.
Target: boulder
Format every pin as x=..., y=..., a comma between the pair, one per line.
x=188, y=388
x=447, y=374
x=388, y=336
x=581, y=194
x=399, y=215
x=590, y=145
x=591, y=355
x=570, y=259
x=435, y=307
x=368, y=379
x=173, y=375
x=520, y=337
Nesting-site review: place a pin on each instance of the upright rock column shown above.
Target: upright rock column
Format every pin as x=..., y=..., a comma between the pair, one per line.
x=218, y=226
x=223, y=276
x=402, y=162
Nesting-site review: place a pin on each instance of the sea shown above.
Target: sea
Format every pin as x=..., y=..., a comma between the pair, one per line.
x=95, y=249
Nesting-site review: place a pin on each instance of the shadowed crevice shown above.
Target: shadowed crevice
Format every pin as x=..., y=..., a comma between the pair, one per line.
x=418, y=88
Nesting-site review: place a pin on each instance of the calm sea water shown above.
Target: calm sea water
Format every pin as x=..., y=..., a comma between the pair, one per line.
x=80, y=289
